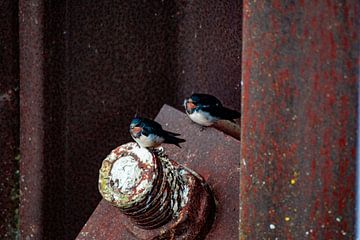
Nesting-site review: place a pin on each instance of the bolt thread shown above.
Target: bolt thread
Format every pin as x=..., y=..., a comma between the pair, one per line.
x=146, y=186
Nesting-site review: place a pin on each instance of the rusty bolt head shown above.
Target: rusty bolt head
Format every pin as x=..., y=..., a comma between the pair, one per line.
x=156, y=192
x=127, y=175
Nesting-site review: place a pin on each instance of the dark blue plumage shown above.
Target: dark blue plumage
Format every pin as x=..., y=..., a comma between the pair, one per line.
x=150, y=134
x=206, y=109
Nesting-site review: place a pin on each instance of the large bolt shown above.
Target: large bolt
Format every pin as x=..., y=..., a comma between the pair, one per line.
x=157, y=194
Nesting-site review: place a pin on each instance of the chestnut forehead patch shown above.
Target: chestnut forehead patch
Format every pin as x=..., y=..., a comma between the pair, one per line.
x=190, y=105
x=136, y=129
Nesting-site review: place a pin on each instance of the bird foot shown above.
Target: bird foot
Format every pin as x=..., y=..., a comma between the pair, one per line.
x=160, y=151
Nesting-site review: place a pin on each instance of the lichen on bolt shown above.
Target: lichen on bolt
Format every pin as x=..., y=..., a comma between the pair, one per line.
x=127, y=175
x=154, y=191
x=178, y=180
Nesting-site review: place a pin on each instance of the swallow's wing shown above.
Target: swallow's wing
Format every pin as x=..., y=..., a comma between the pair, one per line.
x=171, y=133
x=150, y=126
x=222, y=113
x=207, y=100
x=213, y=111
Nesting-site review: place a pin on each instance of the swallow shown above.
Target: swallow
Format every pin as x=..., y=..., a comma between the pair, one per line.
x=205, y=110
x=150, y=134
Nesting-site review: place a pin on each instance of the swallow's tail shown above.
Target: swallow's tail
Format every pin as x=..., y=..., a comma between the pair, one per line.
x=230, y=114
x=171, y=133
x=173, y=140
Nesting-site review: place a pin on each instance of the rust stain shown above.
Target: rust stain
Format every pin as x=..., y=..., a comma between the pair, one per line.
x=97, y=65
x=211, y=153
x=299, y=116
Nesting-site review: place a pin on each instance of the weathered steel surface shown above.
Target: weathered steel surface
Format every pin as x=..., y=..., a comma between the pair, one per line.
x=87, y=68
x=208, y=50
x=299, y=102
x=211, y=153
x=31, y=32
x=231, y=128
x=9, y=117
x=162, y=199
x=216, y=157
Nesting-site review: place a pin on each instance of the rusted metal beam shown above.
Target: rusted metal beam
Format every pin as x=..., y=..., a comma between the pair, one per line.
x=299, y=119
x=229, y=128
x=87, y=68
x=212, y=154
x=162, y=199
x=31, y=40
